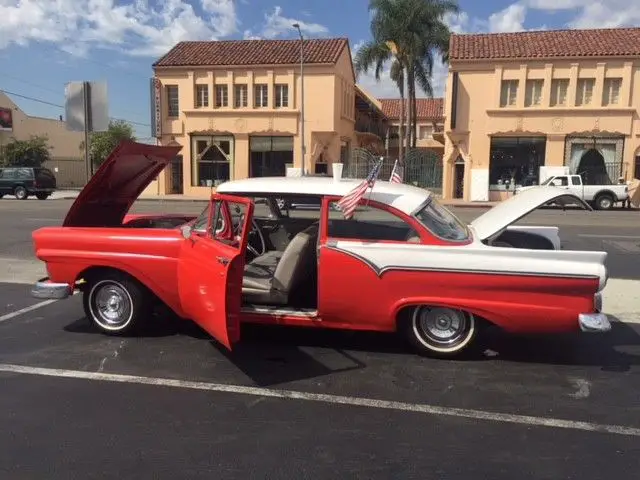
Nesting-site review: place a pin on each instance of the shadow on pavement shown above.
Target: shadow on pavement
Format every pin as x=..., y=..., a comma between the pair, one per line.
x=271, y=355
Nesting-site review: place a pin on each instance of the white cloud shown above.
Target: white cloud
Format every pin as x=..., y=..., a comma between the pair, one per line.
x=510, y=19
x=276, y=25
x=135, y=28
x=593, y=13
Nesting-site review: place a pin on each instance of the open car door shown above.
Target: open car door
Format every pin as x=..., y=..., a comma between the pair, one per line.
x=211, y=266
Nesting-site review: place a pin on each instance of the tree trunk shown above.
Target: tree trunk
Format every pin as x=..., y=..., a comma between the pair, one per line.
x=407, y=135
x=400, y=128
x=414, y=112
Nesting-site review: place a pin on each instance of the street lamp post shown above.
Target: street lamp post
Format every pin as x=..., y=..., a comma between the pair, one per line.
x=303, y=148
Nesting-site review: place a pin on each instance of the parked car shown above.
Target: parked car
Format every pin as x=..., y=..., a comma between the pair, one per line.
x=403, y=263
x=23, y=182
x=603, y=197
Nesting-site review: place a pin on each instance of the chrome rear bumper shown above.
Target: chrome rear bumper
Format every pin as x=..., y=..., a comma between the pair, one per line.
x=594, y=322
x=46, y=289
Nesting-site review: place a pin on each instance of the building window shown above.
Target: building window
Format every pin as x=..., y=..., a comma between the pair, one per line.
x=211, y=160
x=533, y=93
x=173, y=101
x=202, y=95
x=611, y=91
x=636, y=172
x=240, y=96
x=559, y=89
x=425, y=132
x=261, y=95
x=584, y=91
x=515, y=160
x=222, y=96
x=282, y=95
x=269, y=156
x=508, y=93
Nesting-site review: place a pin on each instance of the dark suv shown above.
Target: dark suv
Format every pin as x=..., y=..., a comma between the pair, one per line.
x=23, y=182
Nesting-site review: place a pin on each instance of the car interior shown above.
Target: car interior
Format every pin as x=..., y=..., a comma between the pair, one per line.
x=281, y=266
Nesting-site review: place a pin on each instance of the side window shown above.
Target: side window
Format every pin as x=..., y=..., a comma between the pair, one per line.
x=302, y=206
x=223, y=212
x=575, y=180
x=24, y=173
x=560, y=181
x=369, y=223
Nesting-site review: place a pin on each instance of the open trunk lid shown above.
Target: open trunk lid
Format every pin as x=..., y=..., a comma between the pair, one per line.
x=108, y=196
x=513, y=209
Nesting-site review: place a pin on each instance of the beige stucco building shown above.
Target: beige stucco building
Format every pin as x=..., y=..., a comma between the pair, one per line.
x=430, y=123
x=235, y=108
x=66, y=156
x=518, y=101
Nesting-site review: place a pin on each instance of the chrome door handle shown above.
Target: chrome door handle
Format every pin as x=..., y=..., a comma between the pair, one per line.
x=223, y=260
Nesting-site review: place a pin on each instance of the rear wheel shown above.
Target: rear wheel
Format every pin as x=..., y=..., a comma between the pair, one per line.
x=42, y=196
x=604, y=202
x=115, y=303
x=20, y=193
x=440, y=331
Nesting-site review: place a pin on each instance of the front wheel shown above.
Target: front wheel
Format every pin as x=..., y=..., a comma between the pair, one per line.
x=115, y=303
x=604, y=202
x=440, y=331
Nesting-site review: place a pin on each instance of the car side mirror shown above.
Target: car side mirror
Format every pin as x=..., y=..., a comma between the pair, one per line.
x=186, y=231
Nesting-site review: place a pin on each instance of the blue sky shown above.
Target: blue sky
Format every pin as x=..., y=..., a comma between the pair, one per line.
x=46, y=43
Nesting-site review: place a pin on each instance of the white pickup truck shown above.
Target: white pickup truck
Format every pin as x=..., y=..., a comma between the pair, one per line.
x=602, y=197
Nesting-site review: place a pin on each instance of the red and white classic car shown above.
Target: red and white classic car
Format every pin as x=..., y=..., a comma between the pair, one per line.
x=403, y=262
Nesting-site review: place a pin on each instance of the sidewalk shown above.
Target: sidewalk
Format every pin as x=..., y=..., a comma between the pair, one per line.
x=72, y=194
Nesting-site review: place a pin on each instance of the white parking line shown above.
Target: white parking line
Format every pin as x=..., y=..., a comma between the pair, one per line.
x=30, y=308
x=594, y=235
x=328, y=399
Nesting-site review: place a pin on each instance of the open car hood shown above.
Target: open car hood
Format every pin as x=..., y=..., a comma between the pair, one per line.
x=108, y=196
x=513, y=209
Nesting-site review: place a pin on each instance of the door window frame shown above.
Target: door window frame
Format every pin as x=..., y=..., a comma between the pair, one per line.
x=426, y=238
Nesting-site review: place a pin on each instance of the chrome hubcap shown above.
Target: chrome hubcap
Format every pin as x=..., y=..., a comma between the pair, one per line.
x=113, y=305
x=441, y=326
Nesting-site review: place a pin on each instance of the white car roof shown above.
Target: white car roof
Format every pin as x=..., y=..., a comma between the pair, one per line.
x=405, y=198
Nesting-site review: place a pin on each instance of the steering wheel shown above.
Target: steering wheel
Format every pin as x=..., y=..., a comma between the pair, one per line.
x=255, y=230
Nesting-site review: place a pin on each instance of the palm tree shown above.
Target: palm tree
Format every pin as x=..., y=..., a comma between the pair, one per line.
x=410, y=33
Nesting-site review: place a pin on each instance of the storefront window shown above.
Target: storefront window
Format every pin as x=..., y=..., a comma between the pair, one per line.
x=211, y=160
x=515, y=161
x=270, y=156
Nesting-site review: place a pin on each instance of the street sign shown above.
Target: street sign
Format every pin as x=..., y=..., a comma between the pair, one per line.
x=156, y=107
x=86, y=107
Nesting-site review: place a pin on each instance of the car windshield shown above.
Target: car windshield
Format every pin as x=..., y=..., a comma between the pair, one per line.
x=441, y=222
x=200, y=224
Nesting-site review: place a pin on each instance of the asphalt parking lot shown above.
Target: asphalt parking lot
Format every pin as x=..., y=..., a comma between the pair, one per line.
x=308, y=404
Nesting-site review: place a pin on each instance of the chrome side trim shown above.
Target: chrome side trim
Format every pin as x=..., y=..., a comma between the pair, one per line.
x=45, y=289
x=290, y=312
x=594, y=322
x=379, y=271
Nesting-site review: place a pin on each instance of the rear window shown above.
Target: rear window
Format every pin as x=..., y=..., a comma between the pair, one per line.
x=441, y=222
x=44, y=172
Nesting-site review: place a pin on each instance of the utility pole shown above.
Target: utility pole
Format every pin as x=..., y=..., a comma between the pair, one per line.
x=303, y=147
x=86, y=94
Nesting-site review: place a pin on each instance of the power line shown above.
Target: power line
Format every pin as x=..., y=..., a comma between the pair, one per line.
x=46, y=89
x=26, y=97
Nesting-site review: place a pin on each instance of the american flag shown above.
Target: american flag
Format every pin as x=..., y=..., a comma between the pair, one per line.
x=349, y=202
x=397, y=173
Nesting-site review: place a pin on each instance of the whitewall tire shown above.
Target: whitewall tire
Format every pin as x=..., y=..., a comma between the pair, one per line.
x=115, y=303
x=440, y=331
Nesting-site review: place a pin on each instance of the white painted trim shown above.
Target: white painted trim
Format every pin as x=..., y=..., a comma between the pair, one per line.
x=362, y=402
x=479, y=185
x=476, y=258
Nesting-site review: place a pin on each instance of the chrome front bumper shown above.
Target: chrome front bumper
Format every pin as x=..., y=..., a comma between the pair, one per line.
x=594, y=322
x=46, y=289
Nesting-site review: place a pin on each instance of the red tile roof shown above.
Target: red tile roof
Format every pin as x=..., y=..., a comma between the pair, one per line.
x=428, y=108
x=609, y=42
x=253, y=52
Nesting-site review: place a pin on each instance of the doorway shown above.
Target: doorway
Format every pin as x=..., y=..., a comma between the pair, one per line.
x=458, y=178
x=177, y=175
x=593, y=169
